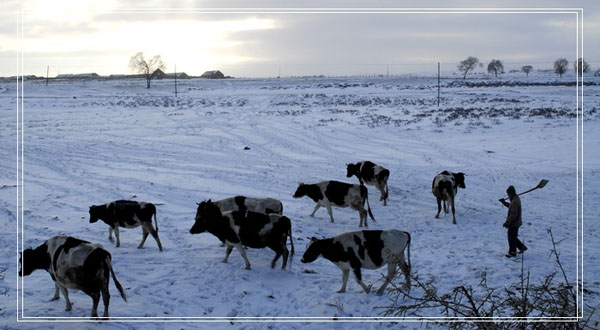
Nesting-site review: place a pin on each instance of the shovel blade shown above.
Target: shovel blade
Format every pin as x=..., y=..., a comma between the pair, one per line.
x=542, y=184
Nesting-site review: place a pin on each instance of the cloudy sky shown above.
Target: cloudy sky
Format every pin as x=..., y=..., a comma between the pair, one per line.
x=265, y=39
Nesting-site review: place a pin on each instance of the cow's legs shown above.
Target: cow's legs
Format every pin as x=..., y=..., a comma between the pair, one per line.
x=389, y=277
x=148, y=227
x=110, y=237
x=95, y=300
x=56, y=295
x=451, y=201
x=439, y=204
x=315, y=210
x=116, y=229
x=363, y=217
x=277, y=255
x=358, y=277
x=66, y=295
x=328, y=206
x=345, y=274
x=243, y=253
x=227, y=253
x=144, y=236
x=105, y=298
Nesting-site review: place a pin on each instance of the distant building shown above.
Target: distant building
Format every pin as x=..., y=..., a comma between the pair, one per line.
x=180, y=75
x=216, y=74
x=77, y=76
x=159, y=74
x=24, y=77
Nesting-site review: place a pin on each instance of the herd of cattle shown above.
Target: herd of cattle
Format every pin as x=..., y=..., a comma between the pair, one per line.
x=240, y=222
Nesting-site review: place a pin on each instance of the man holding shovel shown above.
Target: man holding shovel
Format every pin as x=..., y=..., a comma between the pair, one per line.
x=513, y=222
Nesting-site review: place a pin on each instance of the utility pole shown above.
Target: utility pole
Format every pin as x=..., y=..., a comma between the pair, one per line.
x=438, y=84
x=47, y=72
x=175, y=80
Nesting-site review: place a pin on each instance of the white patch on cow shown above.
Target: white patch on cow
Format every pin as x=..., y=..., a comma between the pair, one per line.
x=254, y=204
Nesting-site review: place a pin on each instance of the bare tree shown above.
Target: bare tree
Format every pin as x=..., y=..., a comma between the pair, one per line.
x=139, y=64
x=526, y=69
x=495, y=67
x=581, y=66
x=560, y=66
x=468, y=64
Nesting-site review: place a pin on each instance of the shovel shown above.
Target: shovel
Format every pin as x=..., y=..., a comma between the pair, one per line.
x=542, y=184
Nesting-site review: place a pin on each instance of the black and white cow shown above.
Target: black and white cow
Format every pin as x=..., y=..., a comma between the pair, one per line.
x=341, y=194
x=251, y=229
x=371, y=174
x=74, y=264
x=444, y=187
x=127, y=214
x=243, y=203
x=370, y=249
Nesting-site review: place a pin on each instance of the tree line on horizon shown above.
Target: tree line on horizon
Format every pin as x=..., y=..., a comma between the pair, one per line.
x=497, y=67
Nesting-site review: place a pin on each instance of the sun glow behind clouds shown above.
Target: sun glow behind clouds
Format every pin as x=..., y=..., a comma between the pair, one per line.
x=193, y=44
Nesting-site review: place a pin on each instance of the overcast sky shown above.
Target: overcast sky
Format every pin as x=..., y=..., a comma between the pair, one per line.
x=83, y=36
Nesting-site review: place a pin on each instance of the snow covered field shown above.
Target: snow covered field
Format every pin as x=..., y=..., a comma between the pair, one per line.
x=91, y=142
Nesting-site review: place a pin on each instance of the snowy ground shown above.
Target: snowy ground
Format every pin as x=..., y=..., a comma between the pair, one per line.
x=91, y=142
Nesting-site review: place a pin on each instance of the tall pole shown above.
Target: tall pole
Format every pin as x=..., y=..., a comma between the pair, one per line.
x=175, y=80
x=438, y=84
x=47, y=72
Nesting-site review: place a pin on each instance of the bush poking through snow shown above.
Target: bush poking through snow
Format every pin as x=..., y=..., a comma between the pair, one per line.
x=553, y=299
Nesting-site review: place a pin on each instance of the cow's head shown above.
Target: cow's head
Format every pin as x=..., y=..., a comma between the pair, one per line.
x=313, y=251
x=301, y=191
x=31, y=260
x=206, y=211
x=460, y=179
x=96, y=212
x=352, y=169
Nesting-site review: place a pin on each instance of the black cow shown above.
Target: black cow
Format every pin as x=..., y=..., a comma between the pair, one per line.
x=127, y=214
x=74, y=264
x=370, y=249
x=327, y=193
x=252, y=229
x=243, y=203
x=371, y=174
x=444, y=187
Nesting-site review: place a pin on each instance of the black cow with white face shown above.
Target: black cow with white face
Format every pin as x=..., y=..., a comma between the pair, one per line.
x=444, y=187
x=127, y=214
x=370, y=249
x=254, y=204
x=74, y=264
x=372, y=174
x=340, y=194
x=251, y=229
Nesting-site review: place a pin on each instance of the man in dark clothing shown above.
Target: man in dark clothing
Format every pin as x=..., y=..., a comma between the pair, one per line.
x=513, y=222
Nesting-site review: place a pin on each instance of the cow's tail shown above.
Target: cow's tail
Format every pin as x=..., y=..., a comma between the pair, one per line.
x=292, y=244
x=387, y=192
x=385, y=176
x=369, y=207
x=117, y=283
x=155, y=221
x=408, y=251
